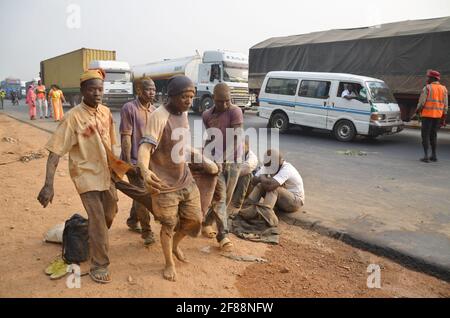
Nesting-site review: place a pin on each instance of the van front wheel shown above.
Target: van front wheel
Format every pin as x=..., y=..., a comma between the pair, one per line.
x=344, y=131
x=280, y=121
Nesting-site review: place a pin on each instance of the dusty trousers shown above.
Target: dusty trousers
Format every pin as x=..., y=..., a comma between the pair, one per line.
x=281, y=198
x=101, y=207
x=430, y=127
x=223, y=193
x=241, y=190
x=138, y=211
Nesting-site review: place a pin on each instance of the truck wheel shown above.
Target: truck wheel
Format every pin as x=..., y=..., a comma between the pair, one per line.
x=280, y=121
x=344, y=131
x=206, y=103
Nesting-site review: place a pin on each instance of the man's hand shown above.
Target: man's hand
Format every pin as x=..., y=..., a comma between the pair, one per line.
x=444, y=120
x=256, y=180
x=152, y=182
x=46, y=195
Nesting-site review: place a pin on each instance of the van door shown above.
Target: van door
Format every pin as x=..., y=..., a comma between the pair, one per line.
x=350, y=102
x=312, y=103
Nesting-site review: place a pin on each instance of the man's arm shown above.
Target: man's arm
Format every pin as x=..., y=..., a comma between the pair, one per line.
x=269, y=184
x=422, y=99
x=231, y=147
x=46, y=195
x=208, y=165
x=126, y=148
x=151, y=180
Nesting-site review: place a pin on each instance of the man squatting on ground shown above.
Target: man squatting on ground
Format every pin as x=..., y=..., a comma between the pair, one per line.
x=85, y=133
x=223, y=116
x=174, y=194
x=134, y=117
x=279, y=183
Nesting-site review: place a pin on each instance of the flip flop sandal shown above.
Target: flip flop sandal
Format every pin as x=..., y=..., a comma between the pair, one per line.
x=226, y=245
x=209, y=232
x=94, y=274
x=59, y=273
x=56, y=266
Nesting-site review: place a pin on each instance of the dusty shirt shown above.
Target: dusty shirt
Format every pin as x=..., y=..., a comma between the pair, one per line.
x=133, y=120
x=172, y=170
x=223, y=121
x=80, y=134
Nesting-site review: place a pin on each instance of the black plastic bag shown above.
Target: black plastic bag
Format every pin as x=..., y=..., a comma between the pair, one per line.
x=75, y=240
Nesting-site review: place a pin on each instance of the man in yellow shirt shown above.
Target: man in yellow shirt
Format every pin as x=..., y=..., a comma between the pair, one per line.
x=87, y=134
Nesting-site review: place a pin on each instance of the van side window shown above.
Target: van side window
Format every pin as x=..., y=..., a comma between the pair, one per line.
x=314, y=89
x=282, y=86
x=344, y=86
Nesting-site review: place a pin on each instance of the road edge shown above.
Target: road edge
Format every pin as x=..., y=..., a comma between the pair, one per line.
x=361, y=242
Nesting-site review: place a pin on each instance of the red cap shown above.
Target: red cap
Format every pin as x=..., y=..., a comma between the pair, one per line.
x=435, y=74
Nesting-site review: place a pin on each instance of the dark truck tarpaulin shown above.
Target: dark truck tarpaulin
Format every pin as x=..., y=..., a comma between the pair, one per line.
x=398, y=53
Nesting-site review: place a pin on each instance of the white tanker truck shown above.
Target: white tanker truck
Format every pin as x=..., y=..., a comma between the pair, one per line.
x=207, y=71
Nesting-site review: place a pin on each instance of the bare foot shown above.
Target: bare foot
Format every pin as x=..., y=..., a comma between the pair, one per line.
x=170, y=273
x=180, y=255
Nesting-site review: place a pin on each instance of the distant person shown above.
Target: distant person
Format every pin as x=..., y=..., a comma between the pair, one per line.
x=349, y=93
x=31, y=101
x=432, y=107
x=133, y=118
x=41, y=100
x=56, y=100
x=14, y=99
x=2, y=96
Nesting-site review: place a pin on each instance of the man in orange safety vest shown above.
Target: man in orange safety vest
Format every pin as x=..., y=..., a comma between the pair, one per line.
x=432, y=107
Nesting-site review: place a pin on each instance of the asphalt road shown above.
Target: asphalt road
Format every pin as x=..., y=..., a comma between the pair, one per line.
x=386, y=192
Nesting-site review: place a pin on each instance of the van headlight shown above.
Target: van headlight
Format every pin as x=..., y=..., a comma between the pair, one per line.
x=377, y=117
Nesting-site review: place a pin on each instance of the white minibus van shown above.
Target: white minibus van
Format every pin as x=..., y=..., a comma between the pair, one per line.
x=348, y=105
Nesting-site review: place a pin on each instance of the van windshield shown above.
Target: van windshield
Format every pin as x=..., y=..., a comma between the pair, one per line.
x=118, y=77
x=380, y=93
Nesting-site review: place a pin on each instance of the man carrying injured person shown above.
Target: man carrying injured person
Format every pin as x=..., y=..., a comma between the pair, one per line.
x=279, y=184
x=223, y=123
x=175, y=197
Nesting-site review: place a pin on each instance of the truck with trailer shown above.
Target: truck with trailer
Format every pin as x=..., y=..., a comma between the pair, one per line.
x=65, y=70
x=205, y=71
x=10, y=85
x=398, y=53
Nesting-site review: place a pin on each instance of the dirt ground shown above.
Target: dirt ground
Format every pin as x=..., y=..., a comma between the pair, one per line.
x=305, y=264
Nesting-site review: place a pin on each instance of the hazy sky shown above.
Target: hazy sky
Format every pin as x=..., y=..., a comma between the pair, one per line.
x=146, y=31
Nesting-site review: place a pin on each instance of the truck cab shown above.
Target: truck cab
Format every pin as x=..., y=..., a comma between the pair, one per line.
x=221, y=66
x=117, y=87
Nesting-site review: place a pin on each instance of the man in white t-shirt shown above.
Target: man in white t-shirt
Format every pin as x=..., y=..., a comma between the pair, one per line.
x=349, y=93
x=279, y=183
